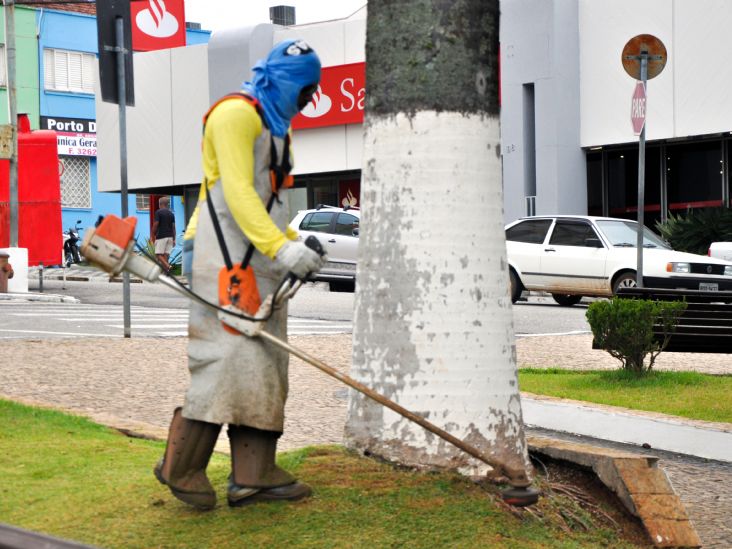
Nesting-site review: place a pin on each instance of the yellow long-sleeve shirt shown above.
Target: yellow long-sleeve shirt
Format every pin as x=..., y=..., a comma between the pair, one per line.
x=228, y=155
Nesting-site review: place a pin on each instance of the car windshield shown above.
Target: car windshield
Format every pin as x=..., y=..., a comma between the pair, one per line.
x=622, y=234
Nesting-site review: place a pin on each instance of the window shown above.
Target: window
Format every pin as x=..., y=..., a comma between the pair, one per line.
x=75, y=182
x=568, y=233
x=68, y=71
x=345, y=224
x=694, y=175
x=531, y=232
x=317, y=222
x=142, y=202
x=3, y=70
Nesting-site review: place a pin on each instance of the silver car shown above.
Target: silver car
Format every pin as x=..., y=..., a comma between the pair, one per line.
x=337, y=230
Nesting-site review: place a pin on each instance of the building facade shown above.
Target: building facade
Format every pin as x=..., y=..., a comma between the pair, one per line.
x=175, y=88
x=26, y=44
x=66, y=74
x=567, y=141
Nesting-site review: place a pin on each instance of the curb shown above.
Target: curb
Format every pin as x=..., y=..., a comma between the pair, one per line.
x=642, y=487
x=45, y=298
x=662, y=432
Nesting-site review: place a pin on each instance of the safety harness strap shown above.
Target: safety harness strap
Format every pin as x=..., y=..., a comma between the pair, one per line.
x=217, y=227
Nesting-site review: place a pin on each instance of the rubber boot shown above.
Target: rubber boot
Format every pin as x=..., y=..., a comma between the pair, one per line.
x=183, y=467
x=255, y=477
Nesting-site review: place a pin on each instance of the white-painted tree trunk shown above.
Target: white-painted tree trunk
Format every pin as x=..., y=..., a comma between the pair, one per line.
x=433, y=323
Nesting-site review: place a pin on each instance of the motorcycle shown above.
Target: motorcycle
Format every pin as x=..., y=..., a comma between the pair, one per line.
x=71, y=245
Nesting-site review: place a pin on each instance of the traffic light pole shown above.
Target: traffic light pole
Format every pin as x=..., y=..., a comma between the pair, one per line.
x=122, y=94
x=13, y=115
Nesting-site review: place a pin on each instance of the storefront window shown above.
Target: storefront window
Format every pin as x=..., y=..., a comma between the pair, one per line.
x=623, y=184
x=594, y=183
x=694, y=175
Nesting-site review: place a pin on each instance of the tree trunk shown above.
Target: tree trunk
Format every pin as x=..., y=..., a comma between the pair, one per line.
x=433, y=323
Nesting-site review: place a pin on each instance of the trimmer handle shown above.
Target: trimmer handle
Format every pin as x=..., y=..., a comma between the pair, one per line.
x=315, y=245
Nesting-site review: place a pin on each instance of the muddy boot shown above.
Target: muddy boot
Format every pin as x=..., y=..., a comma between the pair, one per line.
x=183, y=467
x=255, y=477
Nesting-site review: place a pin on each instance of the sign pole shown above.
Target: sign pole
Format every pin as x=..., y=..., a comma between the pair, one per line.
x=13, y=115
x=642, y=174
x=122, y=94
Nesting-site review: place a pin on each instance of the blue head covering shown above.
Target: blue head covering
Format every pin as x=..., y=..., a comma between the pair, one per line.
x=278, y=80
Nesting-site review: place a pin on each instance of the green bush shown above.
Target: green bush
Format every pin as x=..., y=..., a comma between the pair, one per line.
x=624, y=328
x=175, y=259
x=696, y=230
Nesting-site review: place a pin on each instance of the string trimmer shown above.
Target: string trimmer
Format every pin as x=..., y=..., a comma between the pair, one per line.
x=111, y=245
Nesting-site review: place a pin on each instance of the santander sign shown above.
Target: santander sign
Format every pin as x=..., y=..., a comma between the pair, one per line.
x=157, y=24
x=339, y=99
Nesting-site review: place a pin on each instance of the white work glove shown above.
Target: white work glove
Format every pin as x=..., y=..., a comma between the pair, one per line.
x=296, y=258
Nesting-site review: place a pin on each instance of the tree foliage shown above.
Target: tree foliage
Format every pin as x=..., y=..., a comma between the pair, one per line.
x=624, y=328
x=697, y=229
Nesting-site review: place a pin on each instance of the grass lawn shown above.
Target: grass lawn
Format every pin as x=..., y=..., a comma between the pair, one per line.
x=71, y=478
x=685, y=394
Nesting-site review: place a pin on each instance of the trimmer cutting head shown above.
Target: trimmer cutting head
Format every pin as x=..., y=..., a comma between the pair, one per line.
x=521, y=497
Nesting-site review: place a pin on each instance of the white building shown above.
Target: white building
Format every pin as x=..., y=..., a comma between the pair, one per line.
x=566, y=131
x=174, y=88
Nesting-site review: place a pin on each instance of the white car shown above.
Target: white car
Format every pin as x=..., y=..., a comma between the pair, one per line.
x=722, y=250
x=337, y=230
x=574, y=256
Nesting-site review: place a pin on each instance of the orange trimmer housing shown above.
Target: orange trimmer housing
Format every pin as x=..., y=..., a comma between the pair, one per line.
x=238, y=287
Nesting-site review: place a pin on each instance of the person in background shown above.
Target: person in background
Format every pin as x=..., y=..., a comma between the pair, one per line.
x=163, y=232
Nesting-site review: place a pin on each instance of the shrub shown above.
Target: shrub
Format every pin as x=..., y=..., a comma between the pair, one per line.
x=624, y=328
x=696, y=230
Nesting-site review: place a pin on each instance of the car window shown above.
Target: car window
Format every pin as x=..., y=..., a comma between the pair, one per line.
x=345, y=224
x=318, y=222
x=531, y=231
x=622, y=234
x=571, y=233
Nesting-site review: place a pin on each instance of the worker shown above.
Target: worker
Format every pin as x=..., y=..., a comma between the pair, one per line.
x=237, y=380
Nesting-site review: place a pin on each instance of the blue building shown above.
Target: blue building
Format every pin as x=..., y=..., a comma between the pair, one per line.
x=67, y=44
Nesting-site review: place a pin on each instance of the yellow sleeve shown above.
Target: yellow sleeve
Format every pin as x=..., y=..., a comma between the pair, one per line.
x=231, y=130
x=291, y=233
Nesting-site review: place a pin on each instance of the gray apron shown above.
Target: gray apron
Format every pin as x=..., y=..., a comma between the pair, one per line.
x=236, y=379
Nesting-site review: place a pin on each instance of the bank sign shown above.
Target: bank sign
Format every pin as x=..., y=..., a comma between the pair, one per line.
x=339, y=99
x=74, y=136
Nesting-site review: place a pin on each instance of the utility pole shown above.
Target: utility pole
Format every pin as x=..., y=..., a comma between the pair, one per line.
x=13, y=116
x=433, y=323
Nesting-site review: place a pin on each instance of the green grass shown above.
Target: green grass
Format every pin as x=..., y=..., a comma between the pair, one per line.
x=68, y=477
x=686, y=394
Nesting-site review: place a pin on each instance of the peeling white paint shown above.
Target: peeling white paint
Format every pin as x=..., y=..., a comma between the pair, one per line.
x=433, y=326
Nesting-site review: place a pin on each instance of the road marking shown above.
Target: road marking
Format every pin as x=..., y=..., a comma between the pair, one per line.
x=173, y=334
x=576, y=332
x=57, y=333
x=139, y=326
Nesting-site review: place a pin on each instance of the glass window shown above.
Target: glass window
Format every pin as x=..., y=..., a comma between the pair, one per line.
x=317, y=222
x=622, y=234
x=571, y=233
x=345, y=224
x=142, y=202
x=75, y=182
x=68, y=71
x=531, y=231
x=594, y=183
x=623, y=184
x=3, y=71
x=693, y=175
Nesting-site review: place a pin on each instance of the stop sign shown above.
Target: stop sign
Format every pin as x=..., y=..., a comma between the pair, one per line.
x=638, y=108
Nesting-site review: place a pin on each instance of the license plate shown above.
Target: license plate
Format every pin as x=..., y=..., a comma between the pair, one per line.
x=708, y=286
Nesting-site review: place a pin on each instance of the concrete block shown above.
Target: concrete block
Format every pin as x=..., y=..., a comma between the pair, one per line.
x=639, y=478
x=672, y=533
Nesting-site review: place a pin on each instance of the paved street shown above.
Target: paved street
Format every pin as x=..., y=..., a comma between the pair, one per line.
x=52, y=320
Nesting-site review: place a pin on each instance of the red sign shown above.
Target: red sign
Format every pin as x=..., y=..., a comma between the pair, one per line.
x=339, y=99
x=638, y=108
x=157, y=24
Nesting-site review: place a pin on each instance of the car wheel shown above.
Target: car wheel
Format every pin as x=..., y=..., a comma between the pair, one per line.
x=516, y=286
x=343, y=286
x=625, y=280
x=567, y=300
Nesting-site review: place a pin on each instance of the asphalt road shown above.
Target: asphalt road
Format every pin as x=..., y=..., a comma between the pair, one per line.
x=537, y=315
